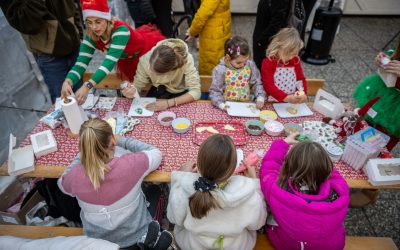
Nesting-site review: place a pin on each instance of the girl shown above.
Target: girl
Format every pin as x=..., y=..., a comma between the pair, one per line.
x=107, y=180
x=235, y=75
x=169, y=69
x=281, y=71
x=122, y=44
x=308, y=198
x=212, y=23
x=211, y=208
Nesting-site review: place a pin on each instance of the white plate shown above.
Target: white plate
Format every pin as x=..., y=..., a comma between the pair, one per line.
x=142, y=103
x=302, y=110
x=242, y=109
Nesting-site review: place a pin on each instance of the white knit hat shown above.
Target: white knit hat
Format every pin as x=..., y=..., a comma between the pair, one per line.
x=96, y=8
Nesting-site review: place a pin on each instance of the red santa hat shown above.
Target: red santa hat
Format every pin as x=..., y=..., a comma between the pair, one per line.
x=364, y=109
x=96, y=8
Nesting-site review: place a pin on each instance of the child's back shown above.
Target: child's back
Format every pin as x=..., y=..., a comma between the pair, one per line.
x=303, y=219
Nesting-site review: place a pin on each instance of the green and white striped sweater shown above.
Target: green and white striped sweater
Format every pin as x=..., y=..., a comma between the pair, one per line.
x=115, y=50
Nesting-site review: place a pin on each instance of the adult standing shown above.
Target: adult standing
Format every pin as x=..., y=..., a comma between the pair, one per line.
x=272, y=15
x=122, y=44
x=51, y=30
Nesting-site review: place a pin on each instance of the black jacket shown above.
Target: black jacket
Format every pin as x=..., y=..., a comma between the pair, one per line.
x=271, y=17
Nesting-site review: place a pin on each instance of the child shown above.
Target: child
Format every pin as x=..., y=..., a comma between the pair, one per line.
x=123, y=45
x=211, y=208
x=212, y=23
x=235, y=75
x=307, y=197
x=170, y=72
x=108, y=186
x=281, y=71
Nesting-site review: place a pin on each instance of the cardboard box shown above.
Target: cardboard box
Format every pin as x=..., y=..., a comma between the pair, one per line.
x=20, y=160
x=43, y=143
x=12, y=194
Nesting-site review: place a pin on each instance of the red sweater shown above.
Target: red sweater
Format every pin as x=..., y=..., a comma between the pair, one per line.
x=268, y=69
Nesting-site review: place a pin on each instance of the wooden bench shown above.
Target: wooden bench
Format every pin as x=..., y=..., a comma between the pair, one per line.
x=111, y=81
x=37, y=232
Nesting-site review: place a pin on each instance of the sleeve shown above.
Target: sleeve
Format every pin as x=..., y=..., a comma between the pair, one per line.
x=178, y=203
x=276, y=20
x=142, y=79
x=65, y=181
x=217, y=86
x=86, y=52
x=26, y=16
x=119, y=39
x=206, y=10
x=192, y=78
x=268, y=69
x=154, y=154
x=256, y=83
x=299, y=73
x=272, y=163
x=258, y=216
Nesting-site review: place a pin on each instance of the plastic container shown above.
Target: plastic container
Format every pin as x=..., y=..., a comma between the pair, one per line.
x=328, y=105
x=181, y=125
x=292, y=128
x=267, y=115
x=165, y=118
x=363, y=145
x=383, y=171
x=254, y=127
x=273, y=128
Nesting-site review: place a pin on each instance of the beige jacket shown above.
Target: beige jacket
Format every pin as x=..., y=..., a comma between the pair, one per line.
x=177, y=81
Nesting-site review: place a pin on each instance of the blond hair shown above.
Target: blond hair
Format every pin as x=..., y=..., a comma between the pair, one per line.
x=165, y=58
x=216, y=162
x=94, y=143
x=107, y=32
x=284, y=45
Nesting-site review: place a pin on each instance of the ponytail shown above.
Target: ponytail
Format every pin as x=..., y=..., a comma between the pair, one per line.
x=94, y=140
x=165, y=59
x=202, y=202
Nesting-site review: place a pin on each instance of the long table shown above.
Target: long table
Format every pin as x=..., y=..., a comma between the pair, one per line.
x=176, y=148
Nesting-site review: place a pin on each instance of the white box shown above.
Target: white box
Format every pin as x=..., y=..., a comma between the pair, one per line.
x=43, y=143
x=328, y=105
x=388, y=78
x=20, y=160
x=383, y=171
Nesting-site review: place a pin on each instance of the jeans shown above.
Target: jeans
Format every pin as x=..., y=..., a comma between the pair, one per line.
x=54, y=70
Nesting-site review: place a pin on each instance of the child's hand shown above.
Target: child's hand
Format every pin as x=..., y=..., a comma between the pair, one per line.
x=189, y=166
x=291, y=99
x=250, y=172
x=259, y=105
x=188, y=37
x=129, y=92
x=302, y=98
x=158, y=105
x=291, y=139
x=378, y=59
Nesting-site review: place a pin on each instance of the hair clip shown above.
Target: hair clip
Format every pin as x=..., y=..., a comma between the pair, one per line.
x=238, y=50
x=230, y=50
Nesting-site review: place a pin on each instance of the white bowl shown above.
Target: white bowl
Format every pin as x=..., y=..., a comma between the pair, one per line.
x=273, y=128
x=165, y=115
x=181, y=125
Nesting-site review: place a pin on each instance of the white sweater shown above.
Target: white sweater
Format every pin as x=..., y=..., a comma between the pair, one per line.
x=242, y=212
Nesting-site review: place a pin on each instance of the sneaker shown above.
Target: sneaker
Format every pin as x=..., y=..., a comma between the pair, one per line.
x=152, y=234
x=164, y=241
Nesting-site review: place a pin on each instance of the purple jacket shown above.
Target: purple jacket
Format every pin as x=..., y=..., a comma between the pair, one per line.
x=304, y=221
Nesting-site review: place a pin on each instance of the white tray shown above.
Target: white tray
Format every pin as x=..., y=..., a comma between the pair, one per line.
x=302, y=110
x=141, y=104
x=242, y=109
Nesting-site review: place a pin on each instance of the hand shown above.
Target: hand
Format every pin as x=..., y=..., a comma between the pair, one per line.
x=393, y=67
x=250, y=171
x=302, y=98
x=82, y=94
x=188, y=37
x=66, y=88
x=259, y=105
x=159, y=105
x=378, y=59
x=189, y=166
x=129, y=92
x=291, y=139
x=292, y=99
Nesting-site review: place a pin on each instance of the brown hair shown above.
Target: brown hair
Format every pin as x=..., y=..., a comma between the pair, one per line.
x=216, y=162
x=396, y=53
x=286, y=42
x=94, y=144
x=165, y=58
x=301, y=166
x=236, y=46
x=108, y=31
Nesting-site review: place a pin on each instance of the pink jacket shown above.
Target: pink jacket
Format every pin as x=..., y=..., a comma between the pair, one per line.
x=304, y=221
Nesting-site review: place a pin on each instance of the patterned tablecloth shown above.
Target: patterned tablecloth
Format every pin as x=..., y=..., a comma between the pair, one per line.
x=176, y=148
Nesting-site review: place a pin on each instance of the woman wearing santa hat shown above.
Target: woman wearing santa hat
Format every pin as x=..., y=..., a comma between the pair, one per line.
x=122, y=44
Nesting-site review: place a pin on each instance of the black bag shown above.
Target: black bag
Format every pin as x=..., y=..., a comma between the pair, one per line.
x=297, y=15
x=59, y=203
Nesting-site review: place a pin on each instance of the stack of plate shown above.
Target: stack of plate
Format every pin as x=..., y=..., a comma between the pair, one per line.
x=334, y=151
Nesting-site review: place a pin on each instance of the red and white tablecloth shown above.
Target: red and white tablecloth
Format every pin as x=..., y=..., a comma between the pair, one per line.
x=176, y=148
